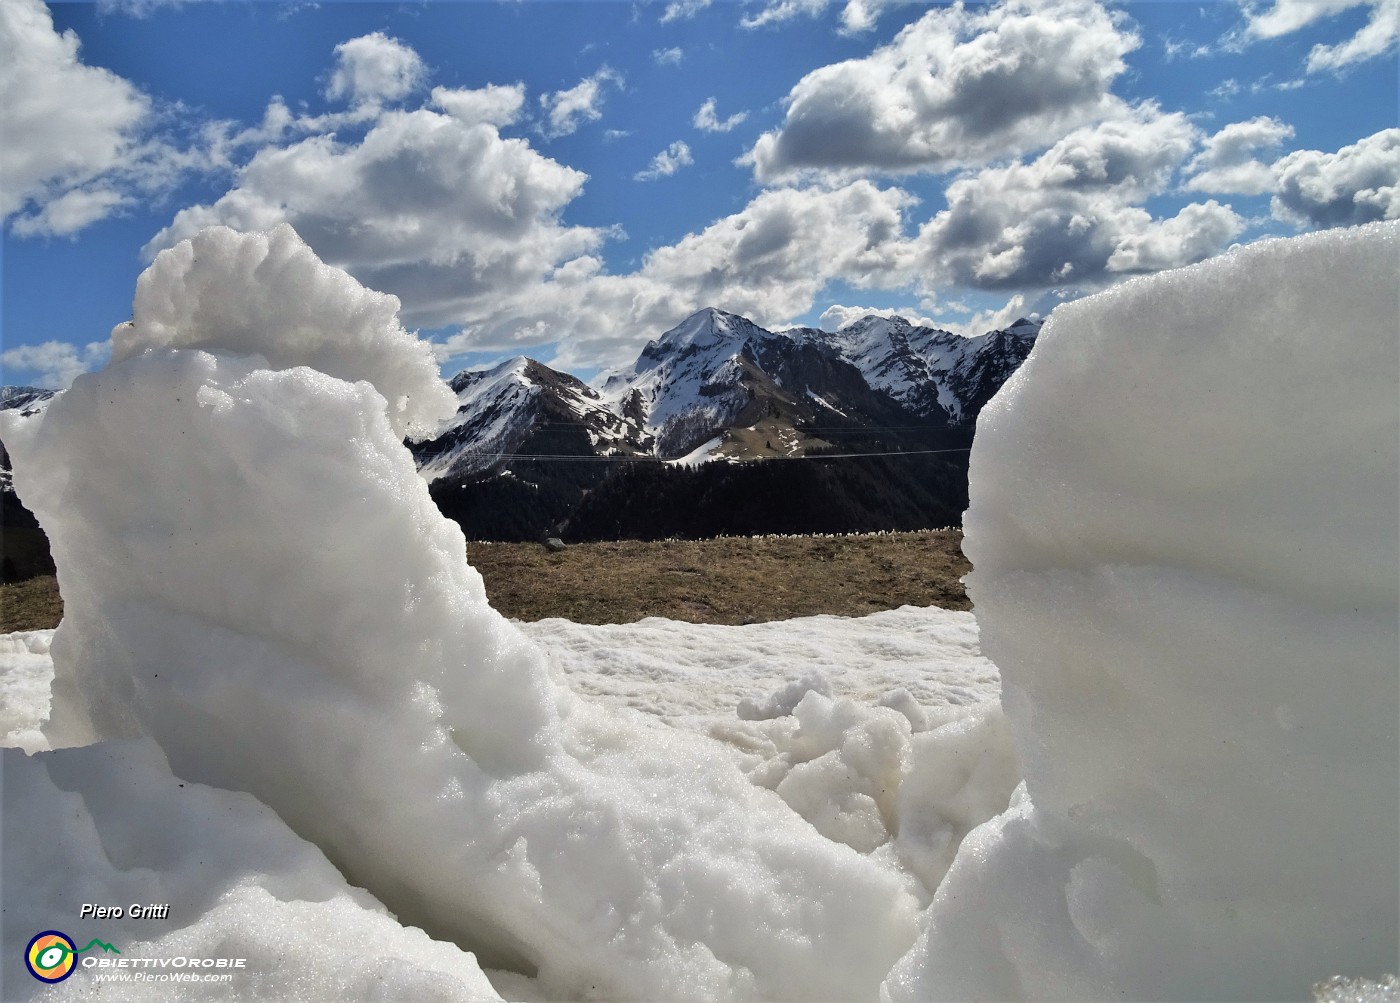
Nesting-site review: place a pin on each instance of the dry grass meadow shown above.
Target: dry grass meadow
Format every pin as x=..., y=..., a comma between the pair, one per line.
x=729, y=580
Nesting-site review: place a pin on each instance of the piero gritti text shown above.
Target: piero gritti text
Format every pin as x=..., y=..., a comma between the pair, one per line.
x=152, y=910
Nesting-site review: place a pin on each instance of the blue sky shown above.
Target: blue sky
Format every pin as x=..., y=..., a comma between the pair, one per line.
x=567, y=180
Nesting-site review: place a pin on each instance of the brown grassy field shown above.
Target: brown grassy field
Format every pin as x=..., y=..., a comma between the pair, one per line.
x=730, y=580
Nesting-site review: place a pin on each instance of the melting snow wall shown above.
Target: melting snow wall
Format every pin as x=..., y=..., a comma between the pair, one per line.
x=256, y=577
x=1183, y=524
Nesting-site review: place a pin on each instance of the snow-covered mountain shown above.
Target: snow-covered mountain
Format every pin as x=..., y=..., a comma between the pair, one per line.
x=523, y=406
x=929, y=370
x=717, y=385
x=718, y=376
x=31, y=398
x=28, y=400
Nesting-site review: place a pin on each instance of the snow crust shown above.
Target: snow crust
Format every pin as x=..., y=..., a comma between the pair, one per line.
x=256, y=578
x=1183, y=525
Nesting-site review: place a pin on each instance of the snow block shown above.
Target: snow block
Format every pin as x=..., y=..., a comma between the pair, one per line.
x=1183, y=528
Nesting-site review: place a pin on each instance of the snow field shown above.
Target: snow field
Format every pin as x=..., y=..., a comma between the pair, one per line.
x=902, y=785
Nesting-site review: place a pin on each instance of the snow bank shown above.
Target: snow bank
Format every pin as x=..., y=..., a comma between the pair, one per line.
x=1184, y=529
x=256, y=577
x=110, y=825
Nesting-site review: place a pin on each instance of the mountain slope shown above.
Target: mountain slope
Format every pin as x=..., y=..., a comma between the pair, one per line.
x=523, y=406
x=718, y=386
x=716, y=373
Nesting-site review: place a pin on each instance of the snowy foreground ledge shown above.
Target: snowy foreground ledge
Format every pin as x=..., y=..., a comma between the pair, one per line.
x=1184, y=527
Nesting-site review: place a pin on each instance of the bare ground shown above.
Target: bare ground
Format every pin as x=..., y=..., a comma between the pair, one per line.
x=729, y=580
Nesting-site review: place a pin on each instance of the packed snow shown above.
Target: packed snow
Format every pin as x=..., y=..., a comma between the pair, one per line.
x=256, y=578
x=1186, y=568
x=280, y=702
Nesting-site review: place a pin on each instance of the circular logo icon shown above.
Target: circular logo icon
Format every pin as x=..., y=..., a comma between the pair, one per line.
x=49, y=956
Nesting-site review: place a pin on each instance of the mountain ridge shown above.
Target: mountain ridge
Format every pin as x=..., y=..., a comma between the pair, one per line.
x=887, y=406
x=720, y=375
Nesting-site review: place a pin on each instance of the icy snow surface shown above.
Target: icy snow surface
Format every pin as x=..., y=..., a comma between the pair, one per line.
x=281, y=703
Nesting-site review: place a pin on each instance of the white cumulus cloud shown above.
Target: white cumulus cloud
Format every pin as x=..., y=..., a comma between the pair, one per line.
x=667, y=162
x=1196, y=232
x=960, y=86
x=778, y=11
x=54, y=364
x=1359, y=183
x=769, y=261
x=64, y=124
x=707, y=120
x=492, y=105
x=375, y=68
x=1228, y=162
x=444, y=213
x=837, y=316
x=1066, y=215
x=566, y=110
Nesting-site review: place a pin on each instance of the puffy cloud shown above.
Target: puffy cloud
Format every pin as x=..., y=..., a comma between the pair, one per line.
x=54, y=364
x=777, y=252
x=492, y=105
x=668, y=57
x=856, y=17
x=708, y=121
x=1016, y=308
x=860, y=15
x=836, y=316
x=667, y=162
x=374, y=68
x=1196, y=232
x=1064, y=216
x=465, y=226
x=960, y=86
x=440, y=211
x=1378, y=37
x=769, y=261
x=566, y=110
x=71, y=212
x=1357, y=184
x=1227, y=163
x=64, y=124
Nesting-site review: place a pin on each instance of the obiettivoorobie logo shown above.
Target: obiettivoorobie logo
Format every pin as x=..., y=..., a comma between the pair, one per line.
x=51, y=956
